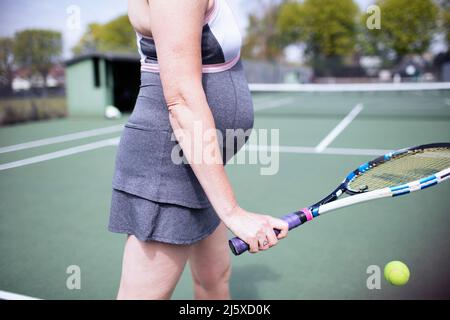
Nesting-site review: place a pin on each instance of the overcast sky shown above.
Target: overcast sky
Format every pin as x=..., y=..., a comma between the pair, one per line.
x=17, y=15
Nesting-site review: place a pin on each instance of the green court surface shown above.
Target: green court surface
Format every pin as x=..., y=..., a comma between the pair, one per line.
x=55, y=193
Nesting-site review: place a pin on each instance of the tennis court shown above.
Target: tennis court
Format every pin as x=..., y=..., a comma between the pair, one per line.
x=55, y=179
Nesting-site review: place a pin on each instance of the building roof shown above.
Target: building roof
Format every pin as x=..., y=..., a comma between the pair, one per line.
x=109, y=56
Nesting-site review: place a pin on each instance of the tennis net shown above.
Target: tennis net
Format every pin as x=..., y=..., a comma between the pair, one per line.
x=416, y=100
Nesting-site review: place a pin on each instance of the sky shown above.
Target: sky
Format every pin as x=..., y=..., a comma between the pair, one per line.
x=16, y=15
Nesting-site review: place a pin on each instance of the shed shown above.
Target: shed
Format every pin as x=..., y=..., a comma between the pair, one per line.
x=96, y=80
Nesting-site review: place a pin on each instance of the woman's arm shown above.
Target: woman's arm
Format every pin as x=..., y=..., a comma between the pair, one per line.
x=176, y=26
x=139, y=16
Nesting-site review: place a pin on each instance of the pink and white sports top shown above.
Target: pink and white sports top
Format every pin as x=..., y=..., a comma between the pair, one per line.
x=221, y=42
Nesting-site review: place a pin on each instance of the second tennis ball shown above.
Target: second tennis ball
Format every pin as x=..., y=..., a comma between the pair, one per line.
x=396, y=273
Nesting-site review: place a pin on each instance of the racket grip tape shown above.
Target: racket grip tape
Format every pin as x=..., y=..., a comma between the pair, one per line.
x=239, y=246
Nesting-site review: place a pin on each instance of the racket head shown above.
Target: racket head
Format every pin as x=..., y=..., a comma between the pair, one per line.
x=398, y=168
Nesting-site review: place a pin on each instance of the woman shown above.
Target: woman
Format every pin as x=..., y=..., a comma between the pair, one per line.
x=192, y=83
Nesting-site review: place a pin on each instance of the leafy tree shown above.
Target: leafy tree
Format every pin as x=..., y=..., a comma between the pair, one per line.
x=38, y=50
x=115, y=36
x=407, y=27
x=264, y=40
x=445, y=20
x=6, y=63
x=328, y=28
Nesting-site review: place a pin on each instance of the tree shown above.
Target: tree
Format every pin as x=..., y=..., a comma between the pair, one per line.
x=115, y=36
x=328, y=28
x=6, y=63
x=445, y=20
x=37, y=50
x=407, y=27
x=263, y=39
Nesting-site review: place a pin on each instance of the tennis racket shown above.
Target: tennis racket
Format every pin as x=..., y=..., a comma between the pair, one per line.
x=394, y=174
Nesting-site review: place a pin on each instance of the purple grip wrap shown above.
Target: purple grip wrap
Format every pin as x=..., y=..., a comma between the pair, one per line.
x=238, y=246
x=293, y=220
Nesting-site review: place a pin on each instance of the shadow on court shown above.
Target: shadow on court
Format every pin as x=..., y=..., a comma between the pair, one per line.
x=245, y=280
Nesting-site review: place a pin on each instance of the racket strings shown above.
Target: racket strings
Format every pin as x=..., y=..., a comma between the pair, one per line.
x=408, y=167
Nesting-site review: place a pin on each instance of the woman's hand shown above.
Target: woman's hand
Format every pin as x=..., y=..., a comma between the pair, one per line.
x=255, y=229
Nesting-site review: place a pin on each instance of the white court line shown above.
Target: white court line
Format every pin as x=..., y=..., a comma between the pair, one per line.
x=61, y=153
x=275, y=103
x=347, y=87
x=312, y=150
x=339, y=128
x=115, y=141
x=356, y=152
x=63, y=138
x=14, y=296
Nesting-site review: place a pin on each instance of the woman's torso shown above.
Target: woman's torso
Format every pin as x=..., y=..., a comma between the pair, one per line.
x=220, y=46
x=144, y=164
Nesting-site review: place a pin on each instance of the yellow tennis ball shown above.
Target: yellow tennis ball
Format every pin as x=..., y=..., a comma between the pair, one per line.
x=396, y=273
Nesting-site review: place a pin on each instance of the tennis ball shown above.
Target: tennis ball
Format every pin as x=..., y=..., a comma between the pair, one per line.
x=396, y=273
x=111, y=112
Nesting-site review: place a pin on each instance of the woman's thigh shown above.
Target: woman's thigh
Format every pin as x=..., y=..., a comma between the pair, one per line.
x=209, y=259
x=151, y=270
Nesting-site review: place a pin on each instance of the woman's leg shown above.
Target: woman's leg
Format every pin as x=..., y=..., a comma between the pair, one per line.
x=210, y=264
x=151, y=270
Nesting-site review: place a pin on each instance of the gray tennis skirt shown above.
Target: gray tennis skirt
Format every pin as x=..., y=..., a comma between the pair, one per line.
x=155, y=198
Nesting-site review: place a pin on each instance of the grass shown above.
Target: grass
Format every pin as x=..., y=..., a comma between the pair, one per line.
x=14, y=110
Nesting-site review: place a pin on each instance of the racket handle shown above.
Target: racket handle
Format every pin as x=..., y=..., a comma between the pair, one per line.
x=238, y=246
